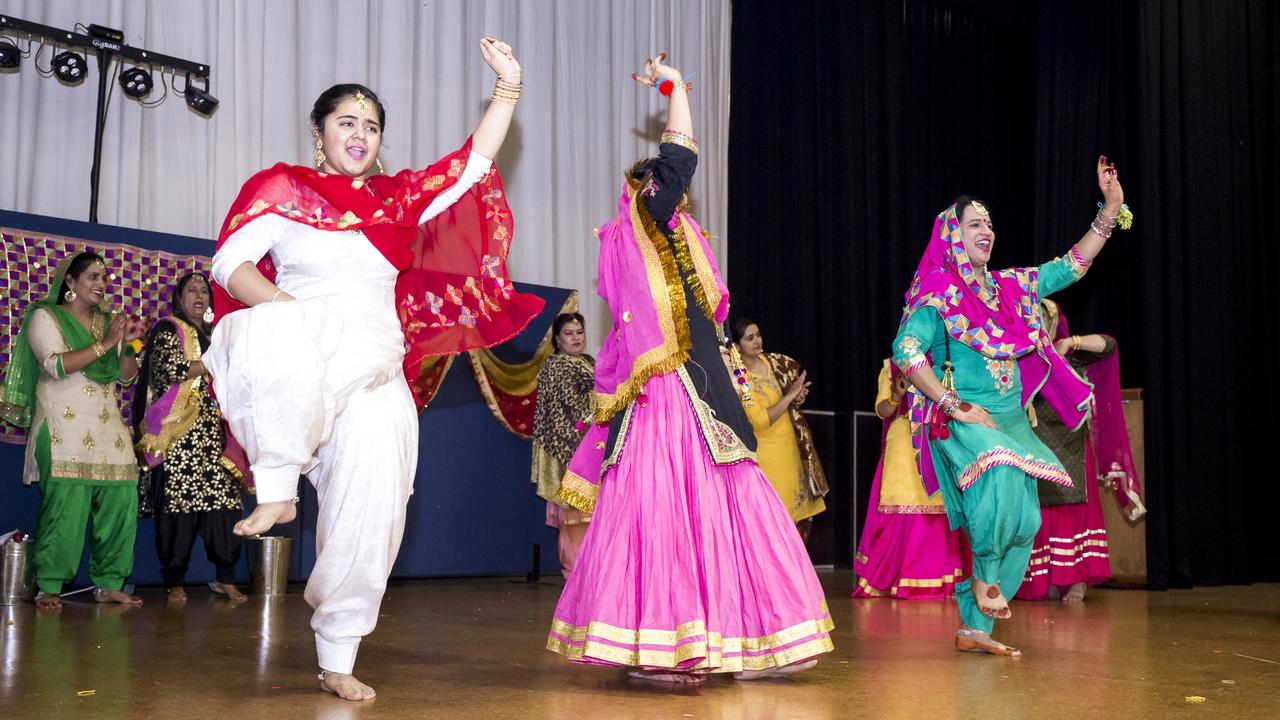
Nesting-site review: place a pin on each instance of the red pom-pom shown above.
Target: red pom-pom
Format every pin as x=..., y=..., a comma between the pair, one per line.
x=666, y=87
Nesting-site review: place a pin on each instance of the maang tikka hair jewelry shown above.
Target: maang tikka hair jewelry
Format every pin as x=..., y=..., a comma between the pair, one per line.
x=361, y=103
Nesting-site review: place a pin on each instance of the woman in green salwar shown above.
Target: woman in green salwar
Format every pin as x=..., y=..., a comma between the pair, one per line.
x=62, y=384
x=972, y=345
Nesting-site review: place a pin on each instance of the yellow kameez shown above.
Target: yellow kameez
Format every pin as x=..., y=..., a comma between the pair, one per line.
x=777, y=451
x=901, y=490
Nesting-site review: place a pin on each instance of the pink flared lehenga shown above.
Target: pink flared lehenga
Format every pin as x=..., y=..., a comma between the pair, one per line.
x=691, y=561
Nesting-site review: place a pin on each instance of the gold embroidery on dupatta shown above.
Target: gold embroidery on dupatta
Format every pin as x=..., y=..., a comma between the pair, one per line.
x=667, y=293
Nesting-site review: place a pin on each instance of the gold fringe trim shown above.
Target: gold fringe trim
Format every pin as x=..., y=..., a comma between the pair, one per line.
x=683, y=259
x=665, y=360
x=577, y=492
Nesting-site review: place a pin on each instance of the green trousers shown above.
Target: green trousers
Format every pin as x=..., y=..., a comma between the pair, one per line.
x=66, y=507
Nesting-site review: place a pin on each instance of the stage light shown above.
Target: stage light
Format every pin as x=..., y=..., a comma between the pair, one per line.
x=136, y=82
x=9, y=55
x=70, y=67
x=200, y=100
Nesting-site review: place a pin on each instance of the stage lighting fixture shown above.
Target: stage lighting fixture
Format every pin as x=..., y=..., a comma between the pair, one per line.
x=136, y=82
x=200, y=100
x=70, y=67
x=9, y=55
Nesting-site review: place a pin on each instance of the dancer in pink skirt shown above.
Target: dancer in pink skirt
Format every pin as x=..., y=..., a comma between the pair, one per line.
x=1070, y=550
x=691, y=563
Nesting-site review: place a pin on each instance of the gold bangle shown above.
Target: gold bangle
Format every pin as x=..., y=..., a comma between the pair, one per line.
x=892, y=402
x=505, y=92
x=1075, y=343
x=98, y=349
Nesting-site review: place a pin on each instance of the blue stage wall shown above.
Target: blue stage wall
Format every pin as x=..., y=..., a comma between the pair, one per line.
x=473, y=511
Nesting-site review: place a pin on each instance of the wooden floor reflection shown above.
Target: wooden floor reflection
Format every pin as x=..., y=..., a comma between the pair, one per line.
x=473, y=649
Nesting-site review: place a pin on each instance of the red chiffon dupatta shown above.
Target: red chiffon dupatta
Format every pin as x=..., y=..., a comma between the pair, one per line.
x=453, y=293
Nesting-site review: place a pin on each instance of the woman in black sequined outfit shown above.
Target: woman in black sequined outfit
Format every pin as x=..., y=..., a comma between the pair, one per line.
x=192, y=490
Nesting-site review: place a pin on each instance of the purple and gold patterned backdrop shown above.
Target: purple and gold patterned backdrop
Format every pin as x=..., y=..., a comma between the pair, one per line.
x=141, y=284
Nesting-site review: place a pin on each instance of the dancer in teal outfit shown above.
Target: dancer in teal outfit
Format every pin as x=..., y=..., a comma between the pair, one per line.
x=973, y=347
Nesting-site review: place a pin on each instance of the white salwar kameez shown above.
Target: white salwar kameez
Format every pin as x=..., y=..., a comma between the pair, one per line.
x=316, y=386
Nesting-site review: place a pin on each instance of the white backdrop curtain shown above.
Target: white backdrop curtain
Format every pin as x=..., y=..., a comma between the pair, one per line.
x=580, y=122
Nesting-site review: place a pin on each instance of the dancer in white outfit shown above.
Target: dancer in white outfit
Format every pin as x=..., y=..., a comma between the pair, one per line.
x=352, y=280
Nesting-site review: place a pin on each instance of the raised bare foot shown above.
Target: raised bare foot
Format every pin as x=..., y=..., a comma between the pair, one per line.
x=990, y=600
x=971, y=640
x=265, y=516
x=231, y=591
x=177, y=595
x=345, y=686
x=783, y=671
x=48, y=601
x=673, y=677
x=1075, y=593
x=115, y=596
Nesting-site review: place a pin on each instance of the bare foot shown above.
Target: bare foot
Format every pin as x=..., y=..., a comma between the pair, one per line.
x=177, y=595
x=971, y=640
x=673, y=677
x=265, y=516
x=783, y=671
x=48, y=601
x=990, y=600
x=231, y=591
x=345, y=686
x=1075, y=593
x=115, y=596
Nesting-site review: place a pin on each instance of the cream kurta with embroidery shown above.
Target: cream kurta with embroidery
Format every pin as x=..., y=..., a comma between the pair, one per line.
x=87, y=437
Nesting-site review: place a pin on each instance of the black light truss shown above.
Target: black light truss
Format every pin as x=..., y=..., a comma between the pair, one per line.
x=105, y=44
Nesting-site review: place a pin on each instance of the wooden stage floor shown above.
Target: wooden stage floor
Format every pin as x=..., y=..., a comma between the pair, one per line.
x=474, y=649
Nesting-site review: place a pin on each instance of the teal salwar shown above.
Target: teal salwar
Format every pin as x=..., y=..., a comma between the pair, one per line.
x=987, y=476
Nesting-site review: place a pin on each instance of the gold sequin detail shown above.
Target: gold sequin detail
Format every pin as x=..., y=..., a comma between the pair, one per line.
x=88, y=441
x=90, y=390
x=69, y=414
x=119, y=444
x=55, y=438
x=104, y=415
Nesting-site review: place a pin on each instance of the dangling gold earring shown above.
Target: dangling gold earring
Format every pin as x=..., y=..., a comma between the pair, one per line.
x=378, y=161
x=319, y=156
x=70, y=296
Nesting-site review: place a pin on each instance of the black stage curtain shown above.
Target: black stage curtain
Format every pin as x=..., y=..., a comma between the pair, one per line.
x=854, y=123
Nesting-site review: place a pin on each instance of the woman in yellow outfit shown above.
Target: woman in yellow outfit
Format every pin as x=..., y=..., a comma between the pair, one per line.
x=785, y=452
